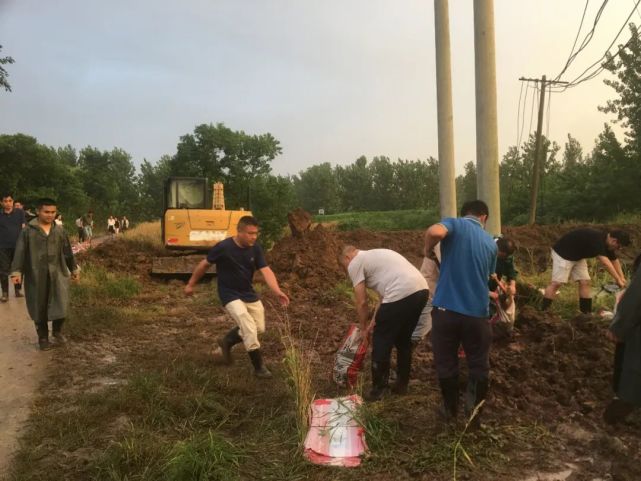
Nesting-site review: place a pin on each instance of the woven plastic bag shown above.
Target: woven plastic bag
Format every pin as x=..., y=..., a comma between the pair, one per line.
x=335, y=437
x=350, y=358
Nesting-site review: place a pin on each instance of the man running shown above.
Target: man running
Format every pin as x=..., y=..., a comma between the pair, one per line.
x=236, y=259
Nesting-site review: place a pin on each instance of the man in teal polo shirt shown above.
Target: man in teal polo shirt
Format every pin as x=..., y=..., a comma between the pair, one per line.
x=461, y=307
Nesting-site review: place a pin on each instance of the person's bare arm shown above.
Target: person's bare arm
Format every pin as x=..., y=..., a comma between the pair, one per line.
x=617, y=266
x=609, y=266
x=197, y=275
x=433, y=235
x=362, y=306
x=272, y=283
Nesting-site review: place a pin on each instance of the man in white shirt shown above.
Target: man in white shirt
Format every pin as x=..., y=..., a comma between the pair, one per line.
x=403, y=293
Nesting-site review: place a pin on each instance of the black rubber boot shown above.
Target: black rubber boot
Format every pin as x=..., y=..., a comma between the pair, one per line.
x=546, y=304
x=4, y=284
x=56, y=331
x=475, y=393
x=450, y=393
x=380, y=381
x=617, y=411
x=585, y=305
x=226, y=343
x=260, y=371
x=403, y=368
x=43, y=336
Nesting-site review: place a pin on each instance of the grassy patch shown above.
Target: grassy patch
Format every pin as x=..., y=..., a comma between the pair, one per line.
x=382, y=220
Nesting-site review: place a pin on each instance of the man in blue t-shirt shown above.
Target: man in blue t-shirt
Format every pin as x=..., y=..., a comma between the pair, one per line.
x=236, y=259
x=460, y=313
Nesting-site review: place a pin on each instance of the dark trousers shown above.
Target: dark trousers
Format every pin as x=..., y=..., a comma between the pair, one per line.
x=450, y=330
x=81, y=234
x=395, y=322
x=6, y=258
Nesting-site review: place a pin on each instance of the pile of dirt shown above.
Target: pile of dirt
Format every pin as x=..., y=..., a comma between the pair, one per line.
x=122, y=256
x=308, y=262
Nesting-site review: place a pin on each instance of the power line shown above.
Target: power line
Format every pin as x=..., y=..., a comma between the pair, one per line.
x=518, y=116
x=568, y=61
x=585, y=76
x=586, y=40
x=534, y=92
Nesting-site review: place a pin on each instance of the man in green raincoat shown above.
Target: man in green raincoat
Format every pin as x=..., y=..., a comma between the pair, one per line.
x=43, y=257
x=626, y=331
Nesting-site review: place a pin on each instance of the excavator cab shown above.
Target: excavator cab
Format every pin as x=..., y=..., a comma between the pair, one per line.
x=194, y=219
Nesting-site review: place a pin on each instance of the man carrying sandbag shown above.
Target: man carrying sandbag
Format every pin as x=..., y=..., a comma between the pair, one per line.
x=403, y=293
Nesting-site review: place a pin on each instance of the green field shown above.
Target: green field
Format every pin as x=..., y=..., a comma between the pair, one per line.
x=382, y=220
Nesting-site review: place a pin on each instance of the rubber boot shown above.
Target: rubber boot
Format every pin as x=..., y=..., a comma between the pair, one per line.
x=43, y=336
x=450, y=393
x=585, y=305
x=18, y=290
x=546, y=304
x=226, y=343
x=617, y=411
x=260, y=371
x=475, y=393
x=56, y=331
x=403, y=368
x=380, y=380
x=4, y=283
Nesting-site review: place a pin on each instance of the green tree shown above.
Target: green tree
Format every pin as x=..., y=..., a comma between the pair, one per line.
x=627, y=85
x=317, y=188
x=4, y=82
x=233, y=157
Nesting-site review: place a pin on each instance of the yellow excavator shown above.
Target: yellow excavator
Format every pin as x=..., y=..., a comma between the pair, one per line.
x=194, y=219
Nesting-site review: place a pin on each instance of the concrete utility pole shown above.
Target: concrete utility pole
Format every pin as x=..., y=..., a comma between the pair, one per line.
x=487, y=141
x=446, y=171
x=539, y=156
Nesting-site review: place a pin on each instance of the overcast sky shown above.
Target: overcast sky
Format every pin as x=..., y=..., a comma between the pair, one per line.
x=331, y=80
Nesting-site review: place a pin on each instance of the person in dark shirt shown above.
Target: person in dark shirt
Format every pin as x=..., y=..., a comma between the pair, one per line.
x=625, y=331
x=12, y=221
x=236, y=259
x=569, y=256
x=505, y=276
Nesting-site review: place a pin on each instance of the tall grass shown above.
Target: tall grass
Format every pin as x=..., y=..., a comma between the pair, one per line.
x=298, y=366
x=146, y=233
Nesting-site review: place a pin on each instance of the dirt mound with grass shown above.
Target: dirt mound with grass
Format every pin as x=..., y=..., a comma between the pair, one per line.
x=124, y=256
x=308, y=262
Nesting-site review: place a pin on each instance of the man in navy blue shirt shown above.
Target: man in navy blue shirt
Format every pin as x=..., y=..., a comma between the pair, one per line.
x=461, y=307
x=12, y=221
x=236, y=259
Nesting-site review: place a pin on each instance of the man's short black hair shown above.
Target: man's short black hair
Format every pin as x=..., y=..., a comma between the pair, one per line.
x=476, y=208
x=506, y=245
x=247, y=220
x=7, y=194
x=45, y=201
x=622, y=236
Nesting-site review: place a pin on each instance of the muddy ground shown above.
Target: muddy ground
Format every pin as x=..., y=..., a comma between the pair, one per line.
x=550, y=382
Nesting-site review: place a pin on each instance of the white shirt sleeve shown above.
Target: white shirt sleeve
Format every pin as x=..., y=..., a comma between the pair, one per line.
x=356, y=269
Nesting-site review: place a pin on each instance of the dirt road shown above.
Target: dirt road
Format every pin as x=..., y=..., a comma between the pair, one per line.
x=22, y=367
